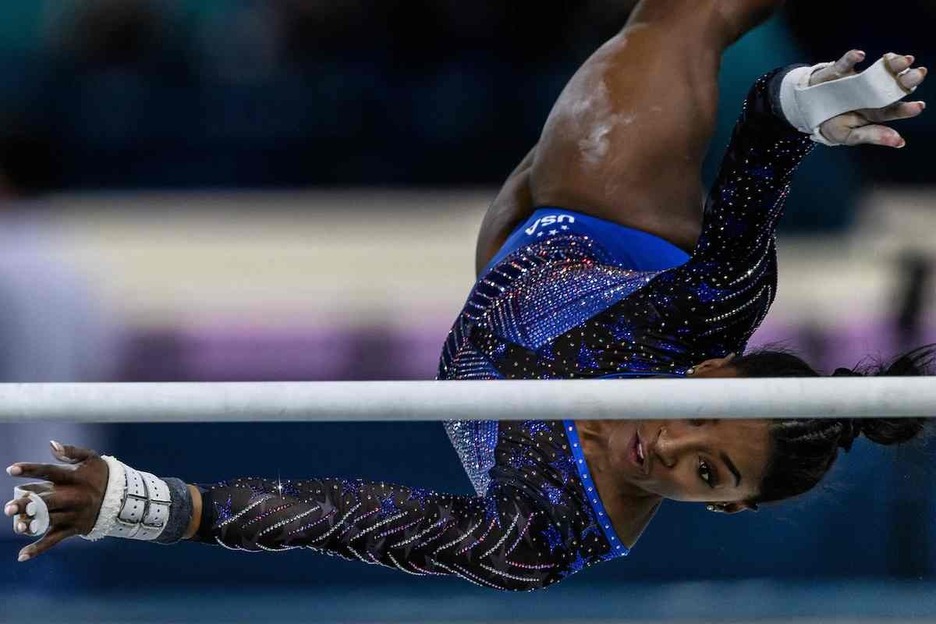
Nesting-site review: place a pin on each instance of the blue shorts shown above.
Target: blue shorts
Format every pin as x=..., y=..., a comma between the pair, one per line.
x=632, y=249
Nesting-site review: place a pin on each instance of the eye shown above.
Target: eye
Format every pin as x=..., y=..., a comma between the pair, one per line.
x=706, y=473
x=697, y=422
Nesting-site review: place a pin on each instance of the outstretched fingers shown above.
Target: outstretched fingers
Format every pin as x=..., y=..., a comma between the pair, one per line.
x=895, y=112
x=15, y=507
x=874, y=134
x=869, y=126
x=55, y=500
x=909, y=78
x=47, y=472
x=898, y=63
x=70, y=454
x=841, y=68
x=71, y=492
x=49, y=540
x=901, y=65
x=55, y=473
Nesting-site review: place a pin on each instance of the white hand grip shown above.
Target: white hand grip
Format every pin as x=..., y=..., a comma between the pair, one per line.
x=808, y=107
x=37, y=510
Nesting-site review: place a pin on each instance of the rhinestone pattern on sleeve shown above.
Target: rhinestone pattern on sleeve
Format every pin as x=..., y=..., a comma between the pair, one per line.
x=561, y=308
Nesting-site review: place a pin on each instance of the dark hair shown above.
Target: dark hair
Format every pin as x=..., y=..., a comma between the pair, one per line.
x=803, y=450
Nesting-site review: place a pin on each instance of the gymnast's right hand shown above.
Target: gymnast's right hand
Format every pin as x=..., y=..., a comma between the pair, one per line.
x=73, y=494
x=871, y=126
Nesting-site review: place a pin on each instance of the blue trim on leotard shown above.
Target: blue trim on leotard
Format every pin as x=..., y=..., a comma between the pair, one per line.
x=618, y=549
x=632, y=249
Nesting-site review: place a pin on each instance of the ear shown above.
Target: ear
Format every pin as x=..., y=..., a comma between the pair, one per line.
x=711, y=366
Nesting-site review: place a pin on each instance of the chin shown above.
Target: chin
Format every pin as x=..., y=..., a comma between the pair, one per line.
x=669, y=495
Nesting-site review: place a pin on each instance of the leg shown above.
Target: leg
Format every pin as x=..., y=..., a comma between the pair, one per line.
x=512, y=206
x=626, y=139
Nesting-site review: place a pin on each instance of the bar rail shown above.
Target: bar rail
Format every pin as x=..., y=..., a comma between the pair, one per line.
x=469, y=400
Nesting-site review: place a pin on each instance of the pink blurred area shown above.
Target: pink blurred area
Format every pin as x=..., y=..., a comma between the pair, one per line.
x=375, y=353
x=296, y=354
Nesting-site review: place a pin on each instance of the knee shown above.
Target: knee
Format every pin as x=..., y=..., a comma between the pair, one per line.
x=741, y=16
x=719, y=22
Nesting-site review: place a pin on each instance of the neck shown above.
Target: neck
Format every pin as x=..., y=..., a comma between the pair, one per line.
x=629, y=506
x=596, y=437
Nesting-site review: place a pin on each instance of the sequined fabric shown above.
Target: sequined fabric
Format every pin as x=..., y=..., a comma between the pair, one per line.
x=532, y=528
x=562, y=307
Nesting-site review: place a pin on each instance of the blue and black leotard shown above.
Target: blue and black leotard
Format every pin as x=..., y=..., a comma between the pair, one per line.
x=569, y=296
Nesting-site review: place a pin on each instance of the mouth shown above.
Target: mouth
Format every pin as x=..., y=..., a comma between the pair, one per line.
x=638, y=454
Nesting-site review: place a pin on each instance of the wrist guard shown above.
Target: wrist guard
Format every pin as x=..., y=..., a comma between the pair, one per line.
x=136, y=505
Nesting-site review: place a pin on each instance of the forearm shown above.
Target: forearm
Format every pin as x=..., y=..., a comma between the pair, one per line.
x=525, y=533
x=488, y=541
x=195, y=521
x=746, y=200
x=730, y=281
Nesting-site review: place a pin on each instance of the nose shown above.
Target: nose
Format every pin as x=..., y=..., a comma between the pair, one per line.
x=671, y=445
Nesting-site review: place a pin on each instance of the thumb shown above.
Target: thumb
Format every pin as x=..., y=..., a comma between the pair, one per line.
x=70, y=454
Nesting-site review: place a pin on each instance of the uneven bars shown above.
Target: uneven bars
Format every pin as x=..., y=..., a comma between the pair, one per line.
x=469, y=400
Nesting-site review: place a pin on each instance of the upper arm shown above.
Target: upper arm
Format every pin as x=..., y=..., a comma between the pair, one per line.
x=511, y=207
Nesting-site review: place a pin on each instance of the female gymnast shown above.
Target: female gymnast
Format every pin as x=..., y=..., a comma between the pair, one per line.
x=596, y=260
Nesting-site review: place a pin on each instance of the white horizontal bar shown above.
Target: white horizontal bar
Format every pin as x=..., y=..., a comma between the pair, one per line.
x=469, y=400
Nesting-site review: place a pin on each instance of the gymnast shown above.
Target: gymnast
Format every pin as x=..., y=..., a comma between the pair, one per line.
x=598, y=259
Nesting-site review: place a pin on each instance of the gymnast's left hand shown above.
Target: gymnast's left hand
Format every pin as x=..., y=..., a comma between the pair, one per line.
x=73, y=494
x=869, y=126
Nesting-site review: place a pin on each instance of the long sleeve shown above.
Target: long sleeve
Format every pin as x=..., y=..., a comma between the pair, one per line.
x=746, y=201
x=532, y=528
x=567, y=306
x=713, y=303
x=709, y=306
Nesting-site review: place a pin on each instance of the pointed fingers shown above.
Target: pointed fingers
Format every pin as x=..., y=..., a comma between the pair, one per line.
x=845, y=66
x=875, y=135
x=48, y=472
x=898, y=62
x=51, y=538
x=895, y=112
x=70, y=454
x=16, y=507
x=912, y=78
x=56, y=500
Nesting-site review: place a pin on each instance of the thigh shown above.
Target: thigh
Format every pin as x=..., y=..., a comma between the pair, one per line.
x=512, y=206
x=626, y=139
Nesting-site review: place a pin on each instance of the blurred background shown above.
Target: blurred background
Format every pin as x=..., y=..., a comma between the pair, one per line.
x=234, y=190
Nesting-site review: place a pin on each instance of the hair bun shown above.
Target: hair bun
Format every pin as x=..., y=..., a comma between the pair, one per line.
x=890, y=431
x=886, y=431
x=851, y=429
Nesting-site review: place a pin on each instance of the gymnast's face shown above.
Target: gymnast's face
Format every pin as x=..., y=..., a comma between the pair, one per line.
x=706, y=461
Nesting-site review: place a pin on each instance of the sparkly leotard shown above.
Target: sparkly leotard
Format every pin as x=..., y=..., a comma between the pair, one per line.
x=561, y=303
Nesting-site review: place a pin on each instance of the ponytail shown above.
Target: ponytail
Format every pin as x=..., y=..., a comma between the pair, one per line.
x=803, y=450
x=890, y=431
